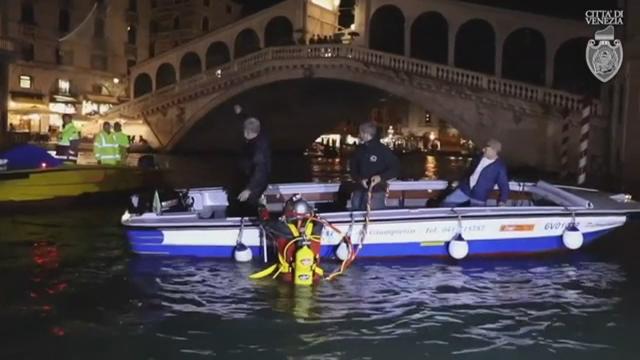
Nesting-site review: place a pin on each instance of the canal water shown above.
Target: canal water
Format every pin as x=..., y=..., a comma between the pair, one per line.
x=70, y=289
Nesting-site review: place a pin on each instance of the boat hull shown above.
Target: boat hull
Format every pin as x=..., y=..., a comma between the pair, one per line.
x=69, y=182
x=397, y=238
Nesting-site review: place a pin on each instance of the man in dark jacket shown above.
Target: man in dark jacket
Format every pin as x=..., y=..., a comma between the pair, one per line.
x=255, y=166
x=485, y=173
x=372, y=164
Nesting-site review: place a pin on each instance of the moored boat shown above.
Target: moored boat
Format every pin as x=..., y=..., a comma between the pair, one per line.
x=540, y=217
x=31, y=176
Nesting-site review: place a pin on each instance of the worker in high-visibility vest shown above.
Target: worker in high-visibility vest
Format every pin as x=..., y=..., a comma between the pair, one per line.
x=122, y=140
x=69, y=138
x=105, y=147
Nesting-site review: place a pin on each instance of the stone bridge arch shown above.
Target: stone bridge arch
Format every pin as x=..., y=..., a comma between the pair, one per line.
x=476, y=117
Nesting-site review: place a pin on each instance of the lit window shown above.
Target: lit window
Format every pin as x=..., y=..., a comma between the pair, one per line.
x=427, y=118
x=26, y=81
x=64, y=86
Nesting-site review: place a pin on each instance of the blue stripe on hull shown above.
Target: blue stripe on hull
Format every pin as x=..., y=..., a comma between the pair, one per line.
x=146, y=242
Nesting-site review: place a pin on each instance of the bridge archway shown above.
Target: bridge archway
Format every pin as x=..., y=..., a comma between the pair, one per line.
x=165, y=76
x=570, y=70
x=217, y=54
x=476, y=46
x=430, y=37
x=278, y=32
x=524, y=56
x=439, y=105
x=386, y=30
x=142, y=85
x=190, y=65
x=247, y=42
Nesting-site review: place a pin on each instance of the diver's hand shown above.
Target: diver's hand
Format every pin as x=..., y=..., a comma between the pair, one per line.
x=364, y=183
x=237, y=109
x=244, y=195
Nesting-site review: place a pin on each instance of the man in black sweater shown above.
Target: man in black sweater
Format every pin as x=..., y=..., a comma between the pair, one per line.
x=255, y=170
x=372, y=164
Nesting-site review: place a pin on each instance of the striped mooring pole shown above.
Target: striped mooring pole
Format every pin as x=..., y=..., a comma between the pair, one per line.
x=564, y=145
x=587, y=109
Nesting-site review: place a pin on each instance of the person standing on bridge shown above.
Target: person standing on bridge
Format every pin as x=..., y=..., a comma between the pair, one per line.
x=484, y=174
x=255, y=168
x=371, y=165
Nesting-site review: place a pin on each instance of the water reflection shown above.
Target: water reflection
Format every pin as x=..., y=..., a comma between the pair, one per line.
x=476, y=307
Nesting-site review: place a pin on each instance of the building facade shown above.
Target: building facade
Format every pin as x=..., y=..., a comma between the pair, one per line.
x=174, y=22
x=72, y=58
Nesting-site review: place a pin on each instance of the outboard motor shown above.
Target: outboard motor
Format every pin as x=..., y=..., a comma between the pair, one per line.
x=160, y=201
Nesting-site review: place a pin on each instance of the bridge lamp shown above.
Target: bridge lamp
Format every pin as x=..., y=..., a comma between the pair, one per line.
x=219, y=73
x=116, y=80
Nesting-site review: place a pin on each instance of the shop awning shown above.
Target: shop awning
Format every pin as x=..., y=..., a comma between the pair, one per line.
x=31, y=110
x=102, y=99
x=27, y=97
x=63, y=99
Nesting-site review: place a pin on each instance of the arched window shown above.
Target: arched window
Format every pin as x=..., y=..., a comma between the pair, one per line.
x=142, y=85
x=27, y=14
x=131, y=34
x=64, y=21
x=98, y=29
x=278, y=32
x=205, y=24
x=387, y=30
x=247, y=42
x=430, y=38
x=476, y=46
x=133, y=5
x=524, y=56
x=153, y=27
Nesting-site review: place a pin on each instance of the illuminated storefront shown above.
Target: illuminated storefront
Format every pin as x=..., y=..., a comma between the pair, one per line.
x=26, y=112
x=94, y=105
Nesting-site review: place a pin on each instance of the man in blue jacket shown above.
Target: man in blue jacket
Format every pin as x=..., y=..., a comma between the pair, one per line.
x=476, y=187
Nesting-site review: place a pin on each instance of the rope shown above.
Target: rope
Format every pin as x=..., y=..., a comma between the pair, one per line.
x=363, y=233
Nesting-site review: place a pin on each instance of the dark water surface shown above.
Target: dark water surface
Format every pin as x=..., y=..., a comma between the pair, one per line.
x=70, y=289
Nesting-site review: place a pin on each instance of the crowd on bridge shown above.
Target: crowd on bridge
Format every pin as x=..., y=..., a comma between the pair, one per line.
x=325, y=39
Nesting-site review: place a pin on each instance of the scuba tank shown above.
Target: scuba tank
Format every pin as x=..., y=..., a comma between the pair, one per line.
x=304, y=264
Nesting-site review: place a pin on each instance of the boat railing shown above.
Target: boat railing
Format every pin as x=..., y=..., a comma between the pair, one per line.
x=212, y=202
x=559, y=196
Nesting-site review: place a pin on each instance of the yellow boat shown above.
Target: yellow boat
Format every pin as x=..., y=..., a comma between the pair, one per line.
x=70, y=181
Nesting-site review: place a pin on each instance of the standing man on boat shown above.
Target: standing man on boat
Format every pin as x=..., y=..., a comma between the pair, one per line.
x=255, y=169
x=105, y=147
x=69, y=138
x=122, y=140
x=483, y=175
x=372, y=164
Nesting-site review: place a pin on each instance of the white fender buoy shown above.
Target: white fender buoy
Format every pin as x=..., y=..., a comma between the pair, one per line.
x=458, y=247
x=242, y=253
x=342, y=251
x=572, y=237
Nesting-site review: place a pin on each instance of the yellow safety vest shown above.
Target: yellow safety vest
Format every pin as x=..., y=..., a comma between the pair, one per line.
x=308, y=229
x=69, y=132
x=123, y=143
x=106, y=149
